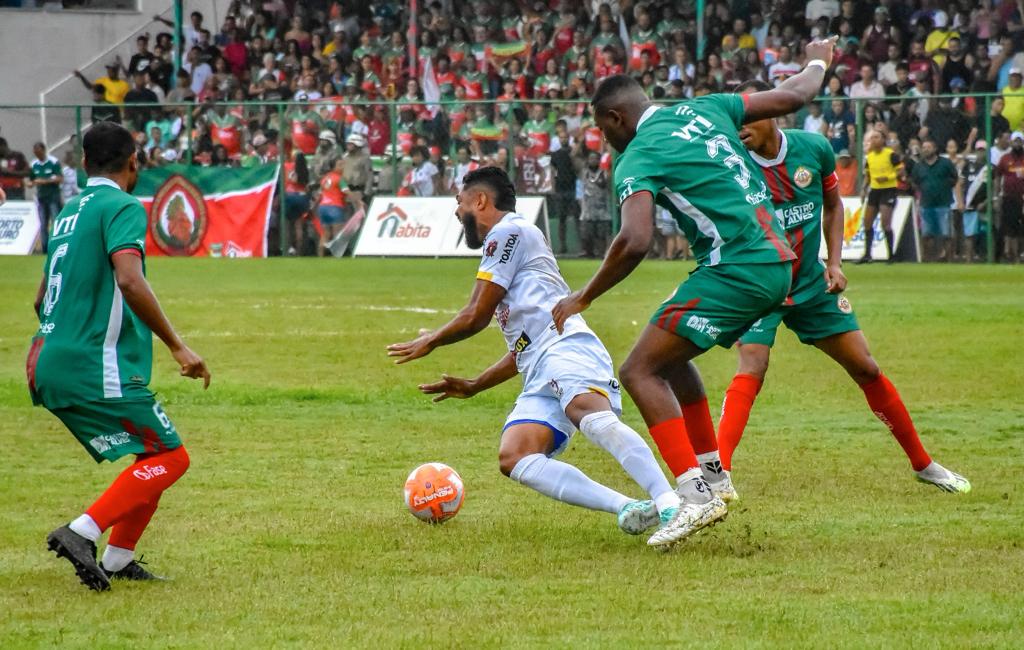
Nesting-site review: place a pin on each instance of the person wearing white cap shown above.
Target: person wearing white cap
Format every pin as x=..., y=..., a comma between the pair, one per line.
x=1013, y=97
x=323, y=157
x=358, y=172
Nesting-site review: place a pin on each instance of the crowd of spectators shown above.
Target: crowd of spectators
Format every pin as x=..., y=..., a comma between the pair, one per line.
x=345, y=72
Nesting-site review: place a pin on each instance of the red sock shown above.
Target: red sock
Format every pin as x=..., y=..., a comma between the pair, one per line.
x=699, y=426
x=138, y=485
x=739, y=399
x=885, y=401
x=127, y=532
x=674, y=445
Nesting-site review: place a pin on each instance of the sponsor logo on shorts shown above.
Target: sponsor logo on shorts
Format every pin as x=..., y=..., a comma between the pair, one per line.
x=522, y=343
x=149, y=471
x=844, y=305
x=704, y=326
x=613, y=384
x=508, y=248
x=440, y=493
x=555, y=387
x=109, y=441
x=491, y=247
x=46, y=328
x=803, y=176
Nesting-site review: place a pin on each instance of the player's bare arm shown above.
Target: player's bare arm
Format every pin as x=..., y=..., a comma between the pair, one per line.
x=40, y=293
x=142, y=301
x=471, y=319
x=461, y=388
x=793, y=93
x=833, y=225
x=628, y=249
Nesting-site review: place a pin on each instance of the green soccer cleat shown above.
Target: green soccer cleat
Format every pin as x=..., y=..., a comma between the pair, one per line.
x=638, y=516
x=944, y=479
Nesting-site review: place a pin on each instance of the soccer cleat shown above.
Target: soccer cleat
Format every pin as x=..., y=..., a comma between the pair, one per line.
x=687, y=520
x=638, y=516
x=944, y=479
x=133, y=571
x=81, y=553
x=724, y=489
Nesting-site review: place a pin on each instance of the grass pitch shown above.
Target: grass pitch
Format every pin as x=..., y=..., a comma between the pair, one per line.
x=289, y=529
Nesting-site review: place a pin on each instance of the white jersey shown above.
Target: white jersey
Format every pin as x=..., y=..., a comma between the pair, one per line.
x=517, y=257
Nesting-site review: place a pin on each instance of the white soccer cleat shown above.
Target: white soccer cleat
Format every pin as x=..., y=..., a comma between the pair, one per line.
x=638, y=516
x=687, y=520
x=944, y=479
x=725, y=490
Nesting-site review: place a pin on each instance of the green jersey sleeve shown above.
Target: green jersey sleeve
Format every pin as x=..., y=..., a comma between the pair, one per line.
x=730, y=105
x=826, y=155
x=126, y=228
x=633, y=174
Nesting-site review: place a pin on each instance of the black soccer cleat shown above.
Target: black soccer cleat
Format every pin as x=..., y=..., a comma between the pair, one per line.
x=81, y=553
x=133, y=571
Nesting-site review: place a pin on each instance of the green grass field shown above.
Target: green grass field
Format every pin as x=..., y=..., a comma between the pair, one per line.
x=289, y=529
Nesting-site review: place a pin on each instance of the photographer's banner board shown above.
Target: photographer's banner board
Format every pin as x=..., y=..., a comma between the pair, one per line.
x=410, y=226
x=19, y=227
x=207, y=211
x=853, y=229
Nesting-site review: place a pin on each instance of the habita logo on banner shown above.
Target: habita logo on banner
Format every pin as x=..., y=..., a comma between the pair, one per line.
x=177, y=218
x=394, y=222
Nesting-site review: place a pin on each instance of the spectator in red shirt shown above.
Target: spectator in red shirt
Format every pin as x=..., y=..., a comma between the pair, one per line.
x=235, y=52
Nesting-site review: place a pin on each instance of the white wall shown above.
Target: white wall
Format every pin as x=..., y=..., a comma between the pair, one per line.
x=40, y=48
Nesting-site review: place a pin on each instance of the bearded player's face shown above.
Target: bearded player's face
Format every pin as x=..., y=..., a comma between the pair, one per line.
x=464, y=213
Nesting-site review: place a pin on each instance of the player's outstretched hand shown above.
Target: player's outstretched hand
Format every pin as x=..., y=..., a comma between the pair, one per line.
x=418, y=347
x=192, y=365
x=835, y=278
x=571, y=305
x=822, y=48
x=456, y=387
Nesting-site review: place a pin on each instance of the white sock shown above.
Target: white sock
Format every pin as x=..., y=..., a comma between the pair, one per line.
x=608, y=432
x=86, y=527
x=116, y=558
x=711, y=466
x=693, y=487
x=566, y=483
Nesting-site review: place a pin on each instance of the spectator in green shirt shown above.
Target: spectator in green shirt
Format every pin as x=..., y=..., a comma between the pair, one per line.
x=934, y=177
x=46, y=176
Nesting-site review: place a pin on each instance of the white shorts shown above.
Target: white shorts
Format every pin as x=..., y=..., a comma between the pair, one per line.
x=573, y=366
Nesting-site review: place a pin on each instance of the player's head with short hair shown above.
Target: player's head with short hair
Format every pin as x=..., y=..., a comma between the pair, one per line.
x=758, y=136
x=487, y=194
x=618, y=104
x=109, y=151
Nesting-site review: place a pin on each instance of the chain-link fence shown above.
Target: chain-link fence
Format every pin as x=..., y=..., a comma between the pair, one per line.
x=954, y=154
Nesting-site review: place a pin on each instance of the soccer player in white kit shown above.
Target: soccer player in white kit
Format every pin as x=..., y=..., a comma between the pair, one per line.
x=568, y=378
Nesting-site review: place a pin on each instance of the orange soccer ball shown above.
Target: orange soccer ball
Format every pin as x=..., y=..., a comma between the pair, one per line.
x=434, y=492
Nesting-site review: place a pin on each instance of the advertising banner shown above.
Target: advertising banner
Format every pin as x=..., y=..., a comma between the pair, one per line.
x=19, y=227
x=427, y=226
x=853, y=231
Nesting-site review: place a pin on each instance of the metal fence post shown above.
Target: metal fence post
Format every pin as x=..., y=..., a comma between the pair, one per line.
x=396, y=153
x=78, y=134
x=282, y=221
x=188, y=127
x=859, y=142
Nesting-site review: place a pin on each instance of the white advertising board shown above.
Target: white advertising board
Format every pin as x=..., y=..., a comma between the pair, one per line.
x=19, y=227
x=410, y=226
x=853, y=229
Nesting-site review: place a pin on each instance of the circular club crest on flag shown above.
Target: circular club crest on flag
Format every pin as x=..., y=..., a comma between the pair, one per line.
x=177, y=217
x=802, y=177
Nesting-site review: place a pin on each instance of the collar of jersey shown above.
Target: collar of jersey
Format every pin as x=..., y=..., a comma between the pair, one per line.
x=646, y=114
x=764, y=162
x=96, y=181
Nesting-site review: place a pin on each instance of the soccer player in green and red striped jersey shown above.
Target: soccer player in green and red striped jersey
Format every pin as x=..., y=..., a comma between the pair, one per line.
x=799, y=168
x=91, y=358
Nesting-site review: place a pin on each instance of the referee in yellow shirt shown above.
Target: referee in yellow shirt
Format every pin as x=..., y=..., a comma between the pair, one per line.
x=882, y=171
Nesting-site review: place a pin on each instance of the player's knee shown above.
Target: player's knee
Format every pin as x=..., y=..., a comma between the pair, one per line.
x=754, y=360
x=629, y=374
x=181, y=459
x=865, y=371
x=508, y=458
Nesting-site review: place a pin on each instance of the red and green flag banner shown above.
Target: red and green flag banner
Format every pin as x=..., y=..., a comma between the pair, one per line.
x=207, y=211
x=498, y=53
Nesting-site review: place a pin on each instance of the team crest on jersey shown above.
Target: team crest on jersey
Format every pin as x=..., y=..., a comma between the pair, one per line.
x=177, y=217
x=491, y=247
x=844, y=305
x=802, y=177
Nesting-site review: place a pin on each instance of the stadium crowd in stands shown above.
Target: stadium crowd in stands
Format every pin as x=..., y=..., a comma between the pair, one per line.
x=334, y=62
